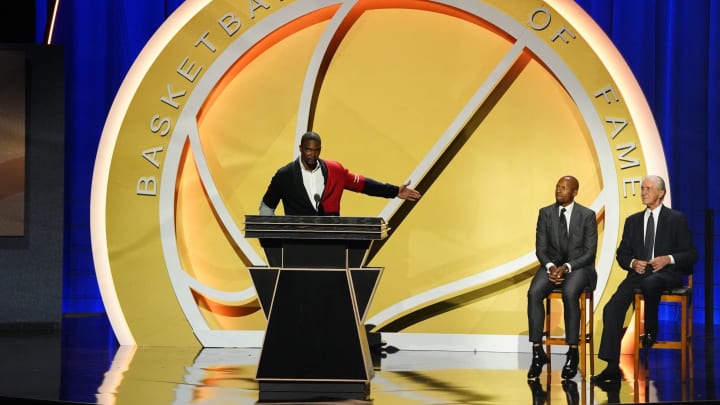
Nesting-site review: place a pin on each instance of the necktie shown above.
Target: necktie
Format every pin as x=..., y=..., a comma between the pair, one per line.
x=563, y=231
x=649, y=236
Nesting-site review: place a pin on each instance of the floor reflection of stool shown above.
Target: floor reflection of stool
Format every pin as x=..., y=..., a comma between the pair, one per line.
x=586, y=329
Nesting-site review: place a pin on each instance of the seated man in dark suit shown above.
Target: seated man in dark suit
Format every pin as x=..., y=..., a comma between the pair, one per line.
x=656, y=249
x=565, y=245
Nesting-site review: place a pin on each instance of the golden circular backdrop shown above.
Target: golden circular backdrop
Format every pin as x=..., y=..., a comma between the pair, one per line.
x=481, y=104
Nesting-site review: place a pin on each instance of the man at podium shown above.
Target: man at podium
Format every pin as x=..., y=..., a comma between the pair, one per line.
x=311, y=186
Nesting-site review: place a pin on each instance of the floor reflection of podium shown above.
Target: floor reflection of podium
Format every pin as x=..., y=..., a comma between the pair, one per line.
x=315, y=293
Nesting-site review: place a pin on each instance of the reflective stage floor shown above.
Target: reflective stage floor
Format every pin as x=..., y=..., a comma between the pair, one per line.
x=82, y=363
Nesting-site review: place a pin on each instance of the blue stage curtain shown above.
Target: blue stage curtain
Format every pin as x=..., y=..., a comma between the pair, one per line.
x=101, y=40
x=671, y=46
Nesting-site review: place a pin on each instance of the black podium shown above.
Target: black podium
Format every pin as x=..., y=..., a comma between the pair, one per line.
x=315, y=293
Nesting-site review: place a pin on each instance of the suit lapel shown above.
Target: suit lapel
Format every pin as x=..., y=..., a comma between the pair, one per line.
x=574, y=221
x=324, y=169
x=299, y=185
x=661, y=229
x=574, y=224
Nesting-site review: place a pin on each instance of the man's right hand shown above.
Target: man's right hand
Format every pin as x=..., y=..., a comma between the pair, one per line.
x=639, y=266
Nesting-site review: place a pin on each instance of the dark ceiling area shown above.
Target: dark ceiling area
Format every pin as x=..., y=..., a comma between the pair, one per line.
x=17, y=22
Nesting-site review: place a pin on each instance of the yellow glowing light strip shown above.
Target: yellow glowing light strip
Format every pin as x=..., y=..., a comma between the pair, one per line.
x=56, y=6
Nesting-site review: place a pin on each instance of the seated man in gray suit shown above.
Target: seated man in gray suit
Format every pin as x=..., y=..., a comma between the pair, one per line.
x=565, y=245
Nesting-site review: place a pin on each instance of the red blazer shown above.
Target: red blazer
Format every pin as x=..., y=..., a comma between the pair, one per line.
x=287, y=186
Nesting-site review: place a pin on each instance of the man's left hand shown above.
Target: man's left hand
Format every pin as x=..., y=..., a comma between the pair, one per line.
x=658, y=263
x=407, y=193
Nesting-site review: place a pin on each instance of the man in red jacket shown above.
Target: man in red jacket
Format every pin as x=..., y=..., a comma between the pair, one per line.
x=312, y=186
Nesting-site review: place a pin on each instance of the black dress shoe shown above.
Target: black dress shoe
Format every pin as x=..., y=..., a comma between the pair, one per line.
x=571, y=392
x=538, y=394
x=609, y=386
x=609, y=374
x=648, y=340
x=569, y=370
x=539, y=359
x=612, y=388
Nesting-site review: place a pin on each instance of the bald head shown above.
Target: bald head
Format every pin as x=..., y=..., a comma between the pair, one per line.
x=566, y=189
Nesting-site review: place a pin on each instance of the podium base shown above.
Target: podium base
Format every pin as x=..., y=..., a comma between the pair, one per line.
x=313, y=391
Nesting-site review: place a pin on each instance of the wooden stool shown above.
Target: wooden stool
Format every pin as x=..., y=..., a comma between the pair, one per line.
x=587, y=309
x=682, y=296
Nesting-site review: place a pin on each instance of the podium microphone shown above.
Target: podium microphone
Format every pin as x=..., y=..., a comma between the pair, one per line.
x=317, y=202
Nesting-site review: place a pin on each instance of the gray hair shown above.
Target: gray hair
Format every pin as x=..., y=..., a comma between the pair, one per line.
x=659, y=182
